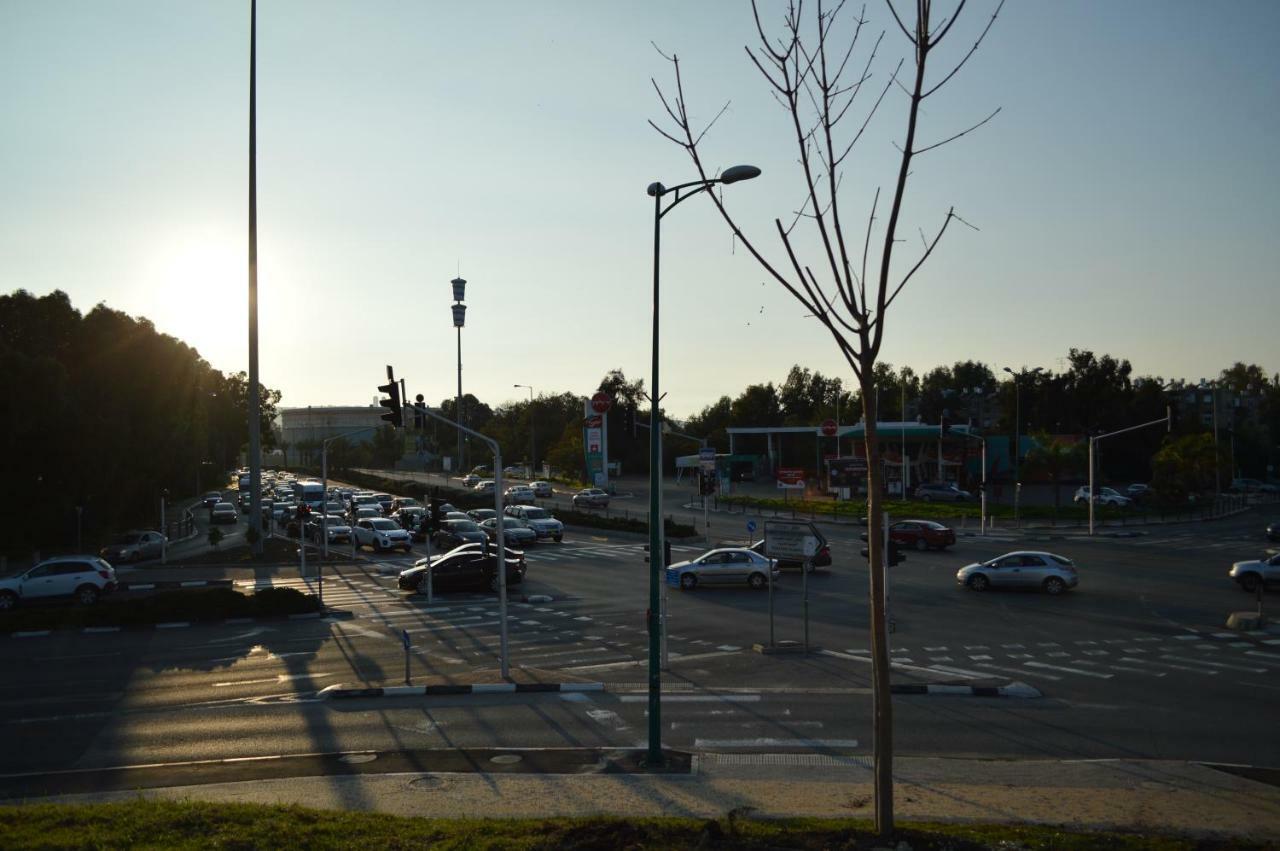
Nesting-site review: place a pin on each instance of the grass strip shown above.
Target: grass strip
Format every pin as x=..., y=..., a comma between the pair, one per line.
x=148, y=824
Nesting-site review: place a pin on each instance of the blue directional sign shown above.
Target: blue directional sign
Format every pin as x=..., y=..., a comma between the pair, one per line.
x=751, y=525
x=404, y=637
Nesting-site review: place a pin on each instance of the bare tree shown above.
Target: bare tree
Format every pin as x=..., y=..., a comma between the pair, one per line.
x=820, y=87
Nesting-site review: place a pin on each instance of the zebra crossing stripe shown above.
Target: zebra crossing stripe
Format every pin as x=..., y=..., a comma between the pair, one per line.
x=1216, y=664
x=1068, y=670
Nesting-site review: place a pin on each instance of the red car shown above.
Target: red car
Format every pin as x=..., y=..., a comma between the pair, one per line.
x=922, y=534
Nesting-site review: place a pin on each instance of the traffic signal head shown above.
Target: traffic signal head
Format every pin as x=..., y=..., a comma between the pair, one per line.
x=395, y=411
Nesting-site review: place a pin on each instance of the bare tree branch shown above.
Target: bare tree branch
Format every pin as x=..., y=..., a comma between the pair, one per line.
x=901, y=26
x=951, y=214
x=961, y=133
x=972, y=50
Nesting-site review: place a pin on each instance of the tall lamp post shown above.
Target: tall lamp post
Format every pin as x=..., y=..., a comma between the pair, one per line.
x=656, y=561
x=1017, y=433
x=532, y=459
x=459, y=319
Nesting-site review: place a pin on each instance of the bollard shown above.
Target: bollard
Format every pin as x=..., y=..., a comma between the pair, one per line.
x=405, y=640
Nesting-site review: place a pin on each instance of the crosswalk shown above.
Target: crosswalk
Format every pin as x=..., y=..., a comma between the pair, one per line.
x=1152, y=657
x=1187, y=541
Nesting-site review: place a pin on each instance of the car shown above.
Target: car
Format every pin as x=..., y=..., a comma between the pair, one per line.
x=365, y=500
x=1023, y=569
x=223, y=512
x=724, y=566
x=485, y=486
x=133, y=546
x=409, y=516
x=1138, y=490
x=367, y=512
x=453, y=533
x=211, y=499
x=470, y=480
x=591, y=498
x=514, y=531
x=84, y=578
x=822, y=558
x=539, y=519
x=454, y=515
x=461, y=569
x=922, y=534
x=1257, y=573
x=482, y=514
x=941, y=492
x=1104, y=496
x=1273, y=531
x=332, y=508
x=403, y=502
x=381, y=533
x=384, y=500
x=1242, y=485
x=482, y=470
x=542, y=490
x=339, y=531
x=512, y=471
x=519, y=495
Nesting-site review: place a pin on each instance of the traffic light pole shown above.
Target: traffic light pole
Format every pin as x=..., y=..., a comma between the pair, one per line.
x=1167, y=419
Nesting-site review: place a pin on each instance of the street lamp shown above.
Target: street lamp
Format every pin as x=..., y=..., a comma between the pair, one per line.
x=459, y=319
x=1017, y=434
x=656, y=561
x=531, y=443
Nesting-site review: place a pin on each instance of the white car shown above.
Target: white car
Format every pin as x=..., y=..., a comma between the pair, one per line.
x=1258, y=573
x=728, y=566
x=134, y=546
x=1105, y=496
x=382, y=533
x=519, y=495
x=537, y=519
x=86, y=578
x=485, y=486
x=541, y=490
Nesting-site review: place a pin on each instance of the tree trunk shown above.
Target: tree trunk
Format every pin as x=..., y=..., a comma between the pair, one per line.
x=882, y=707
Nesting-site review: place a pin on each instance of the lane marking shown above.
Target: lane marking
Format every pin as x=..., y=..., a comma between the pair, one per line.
x=1216, y=664
x=1168, y=665
x=773, y=743
x=1069, y=670
x=1018, y=671
x=694, y=698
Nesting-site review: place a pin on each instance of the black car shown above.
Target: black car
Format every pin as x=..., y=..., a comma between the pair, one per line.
x=1273, y=531
x=820, y=559
x=464, y=569
x=455, y=533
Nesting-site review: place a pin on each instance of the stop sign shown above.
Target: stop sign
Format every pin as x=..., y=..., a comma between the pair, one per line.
x=601, y=402
x=829, y=428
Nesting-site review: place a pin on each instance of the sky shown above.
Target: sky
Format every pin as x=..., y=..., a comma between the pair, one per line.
x=1124, y=199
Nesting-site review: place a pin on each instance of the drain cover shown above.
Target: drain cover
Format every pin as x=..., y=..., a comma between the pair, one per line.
x=506, y=759
x=357, y=757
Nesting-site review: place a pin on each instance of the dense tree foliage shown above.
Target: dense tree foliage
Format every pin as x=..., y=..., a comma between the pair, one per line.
x=104, y=412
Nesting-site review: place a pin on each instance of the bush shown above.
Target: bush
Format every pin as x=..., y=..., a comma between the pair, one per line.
x=213, y=604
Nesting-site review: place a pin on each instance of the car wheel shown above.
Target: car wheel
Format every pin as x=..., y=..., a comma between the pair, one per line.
x=87, y=595
x=688, y=582
x=1250, y=582
x=8, y=600
x=978, y=582
x=921, y=546
x=756, y=581
x=559, y=538
x=1054, y=585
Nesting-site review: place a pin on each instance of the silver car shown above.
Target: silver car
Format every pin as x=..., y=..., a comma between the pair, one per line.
x=515, y=531
x=1251, y=575
x=133, y=546
x=1023, y=569
x=729, y=566
x=591, y=498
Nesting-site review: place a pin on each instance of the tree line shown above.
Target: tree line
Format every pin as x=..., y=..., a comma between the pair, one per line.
x=104, y=414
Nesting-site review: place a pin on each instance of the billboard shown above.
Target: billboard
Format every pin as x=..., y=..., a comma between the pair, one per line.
x=846, y=472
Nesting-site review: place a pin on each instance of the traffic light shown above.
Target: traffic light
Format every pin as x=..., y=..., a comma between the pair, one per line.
x=895, y=554
x=945, y=422
x=395, y=412
x=666, y=553
x=433, y=518
x=419, y=418
x=706, y=483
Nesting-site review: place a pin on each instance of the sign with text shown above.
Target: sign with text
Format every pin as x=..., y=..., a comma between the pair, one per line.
x=707, y=458
x=790, y=477
x=846, y=472
x=789, y=539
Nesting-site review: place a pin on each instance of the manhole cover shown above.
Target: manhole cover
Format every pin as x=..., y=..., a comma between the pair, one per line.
x=506, y=759
x=357, y=757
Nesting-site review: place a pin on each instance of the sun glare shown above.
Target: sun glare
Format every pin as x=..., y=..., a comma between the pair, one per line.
x=197, y=292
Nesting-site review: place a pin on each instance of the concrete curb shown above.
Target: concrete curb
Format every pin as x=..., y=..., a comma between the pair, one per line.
x=338, y=692
x=94, y=630
x=174, y=585
x=1014, y=690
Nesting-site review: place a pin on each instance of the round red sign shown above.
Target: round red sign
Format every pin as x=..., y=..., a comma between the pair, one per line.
x=601, y=402
x=829, y=428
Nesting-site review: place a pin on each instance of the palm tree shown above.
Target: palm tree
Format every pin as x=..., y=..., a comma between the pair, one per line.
x=1057, y=459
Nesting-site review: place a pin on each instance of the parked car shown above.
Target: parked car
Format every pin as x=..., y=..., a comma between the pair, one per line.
x=482, y=470
x=514, y=531
x=223, y=512
x=540, y=520
x=921, y=534
x=453, y=533
x=481, y=514
x=485, y=486
x=542, y=490
x=941, y=492
x=133, y=546
x=732, y=566
x=518, y=495
x=1104, y=496
x=1024, y=569
x=470, y=480
x=462, y=569
x=211, y=499
x=339, y=531
x=513, y=471
x=1273, y=531
x=84, y=578
x=591, y=498
x=381, y=533
x=1138, y=490
x=822, y=558
x=1251, y=575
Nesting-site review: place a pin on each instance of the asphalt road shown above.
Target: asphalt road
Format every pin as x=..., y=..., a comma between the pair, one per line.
x=1134, y=663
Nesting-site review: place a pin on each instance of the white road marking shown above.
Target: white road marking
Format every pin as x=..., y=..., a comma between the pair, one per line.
x=773, y=743
x=1216, y=664
x=1018, y=671
x=1068, y=670
x=1188, y=637
x=693, y=698
x=1167, y=665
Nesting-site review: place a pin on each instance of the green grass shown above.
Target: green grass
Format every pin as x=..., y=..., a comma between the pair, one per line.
x=196, y=825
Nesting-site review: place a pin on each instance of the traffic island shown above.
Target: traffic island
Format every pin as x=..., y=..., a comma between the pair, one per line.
x=785, y=648
x=1246, y=621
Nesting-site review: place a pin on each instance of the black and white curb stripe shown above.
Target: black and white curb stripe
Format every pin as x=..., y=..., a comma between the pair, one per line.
x=174, y=585
x=338, y=692
x=1019, y=690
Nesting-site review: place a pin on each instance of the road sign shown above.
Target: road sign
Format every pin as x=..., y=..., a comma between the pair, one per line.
x=829, y=428
x=790, y=477
x=600, y=402
x=751, y=525
x=707, y=458
x=404, y=639
x=789, y=539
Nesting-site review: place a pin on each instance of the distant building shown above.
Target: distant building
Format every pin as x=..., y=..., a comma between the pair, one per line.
x=297, y=426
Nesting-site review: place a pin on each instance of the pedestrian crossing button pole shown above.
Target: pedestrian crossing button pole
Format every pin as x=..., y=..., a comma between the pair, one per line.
x=404, y=639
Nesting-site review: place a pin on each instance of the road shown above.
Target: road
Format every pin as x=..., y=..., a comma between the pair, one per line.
x=1134, y=663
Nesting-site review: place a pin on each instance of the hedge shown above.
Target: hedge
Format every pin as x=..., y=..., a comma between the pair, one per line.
x=212, y=604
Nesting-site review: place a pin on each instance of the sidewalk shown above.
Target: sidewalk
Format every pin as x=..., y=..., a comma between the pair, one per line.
x=1177, y=797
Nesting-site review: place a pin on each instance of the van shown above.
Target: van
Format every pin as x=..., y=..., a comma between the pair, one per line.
x=310, y=493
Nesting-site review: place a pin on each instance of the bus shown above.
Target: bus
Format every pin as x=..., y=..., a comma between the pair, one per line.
x=309, y=492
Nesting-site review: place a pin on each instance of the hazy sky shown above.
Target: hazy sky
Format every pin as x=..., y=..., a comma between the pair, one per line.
x=1126, y=195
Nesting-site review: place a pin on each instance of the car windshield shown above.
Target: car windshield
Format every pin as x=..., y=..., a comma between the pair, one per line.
x=384, y=525
x=929, y=524
x=462, y=526
x=536, y=514
x=335, y=519
x=126, y=539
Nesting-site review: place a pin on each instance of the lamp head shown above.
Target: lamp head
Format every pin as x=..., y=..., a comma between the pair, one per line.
x=655, y=189
x=1010, y=371
x=735, y=173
